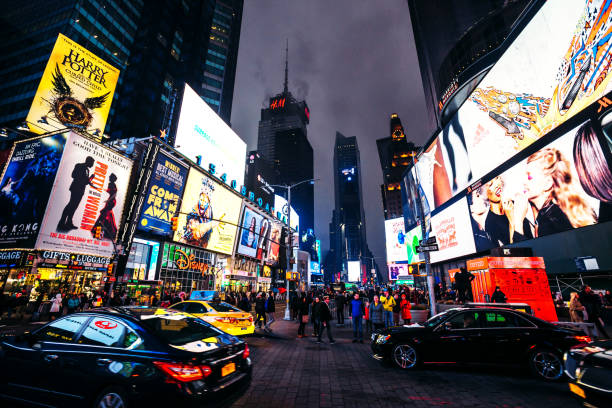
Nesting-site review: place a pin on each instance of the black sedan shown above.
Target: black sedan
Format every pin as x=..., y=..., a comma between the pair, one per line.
x=589, y=369
x=479, y=335
x=113, y=356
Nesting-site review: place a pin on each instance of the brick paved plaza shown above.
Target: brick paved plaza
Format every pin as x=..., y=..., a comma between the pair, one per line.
x=291, y=372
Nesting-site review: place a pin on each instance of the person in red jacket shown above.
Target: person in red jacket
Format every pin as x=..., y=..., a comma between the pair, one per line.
x=405, y=309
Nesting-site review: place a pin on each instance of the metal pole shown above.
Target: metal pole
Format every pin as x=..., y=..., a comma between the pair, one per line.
x=430, y=278
x=290, y=248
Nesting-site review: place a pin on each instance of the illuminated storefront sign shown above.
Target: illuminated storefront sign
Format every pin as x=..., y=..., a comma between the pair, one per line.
x=277, y=103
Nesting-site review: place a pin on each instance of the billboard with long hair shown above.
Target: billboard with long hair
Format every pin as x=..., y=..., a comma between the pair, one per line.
x=209, y=214
x=273, y=243
x=250, y=233
x=75, y=91
x=88, y=193
x=25, y=188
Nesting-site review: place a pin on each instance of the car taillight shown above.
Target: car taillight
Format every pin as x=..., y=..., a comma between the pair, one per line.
x=184, y=372
x=251, y=319
x=222, y=319
x=247, y=352
x=582, y=339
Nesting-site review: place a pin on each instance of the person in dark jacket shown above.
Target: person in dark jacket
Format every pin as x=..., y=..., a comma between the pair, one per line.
x=302, y=314
x=357, y=313
x=260, y=309
x=376, y=313
x=270, y=309
x=463, y=282
x=244, y=303
x=324, y=317
x=340, y=301
x=498, y=296
x=593, y=305
x=316, y=305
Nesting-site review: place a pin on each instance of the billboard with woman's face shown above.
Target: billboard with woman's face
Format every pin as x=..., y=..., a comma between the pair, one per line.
x=250, y=233
x=567, y=184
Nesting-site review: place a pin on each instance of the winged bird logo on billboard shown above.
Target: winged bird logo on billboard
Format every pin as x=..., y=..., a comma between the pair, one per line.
x=69, y=110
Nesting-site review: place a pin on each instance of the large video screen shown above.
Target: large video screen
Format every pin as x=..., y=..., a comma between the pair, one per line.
x=252, y=231
x=25, y=188
x=88, y=193
x=398, y=271
x=201, y=132
x=395, y=240
x=280, y=205
x=274, y=243
x=557, y=66
x=354, y=271
x=163, y=196
x=565, y=185
x=453, y=231
x=209, y=214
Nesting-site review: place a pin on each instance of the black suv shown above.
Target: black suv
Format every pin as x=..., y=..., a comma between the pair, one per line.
x=110, y=357
x=479, y=335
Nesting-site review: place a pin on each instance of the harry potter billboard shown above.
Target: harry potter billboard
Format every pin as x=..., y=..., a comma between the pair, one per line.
x=75, y=91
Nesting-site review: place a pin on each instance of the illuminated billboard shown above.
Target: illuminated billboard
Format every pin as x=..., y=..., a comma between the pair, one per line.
x=398, y=271
x=557, y=66
x=252, y=231
x=557, y=188
x=395, y=240
x=163, y=195
x=206, y=139
x=25, y=188
x=273, y=243
x=209, y=214
x=75, y=91
x=280, y=205
x=88, y=193
x=453, y=231
x=354, y=271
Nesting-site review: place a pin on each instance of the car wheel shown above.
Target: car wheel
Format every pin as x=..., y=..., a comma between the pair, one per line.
x=405, y=356
x=111, y=397
x=546, y=364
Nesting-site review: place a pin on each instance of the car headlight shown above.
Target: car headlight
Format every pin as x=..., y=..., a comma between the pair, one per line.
x=383, y=339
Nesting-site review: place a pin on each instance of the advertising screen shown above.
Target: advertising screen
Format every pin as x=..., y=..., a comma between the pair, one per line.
x=395, y=240
x=280, y=205
x=252, y=232
x=557, y=188
x=209, y=214
x=412, y=241
x=89, y=192
x=205, y=138
x=558, y=65
x=354, y=271
x=453, y=231
x=75, y=91
x=25, y=188
x=398, y=271
x=273, y=248
x=164, y=193
x=315, y=268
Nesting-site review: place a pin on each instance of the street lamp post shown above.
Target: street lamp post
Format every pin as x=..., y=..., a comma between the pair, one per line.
x=290, y=237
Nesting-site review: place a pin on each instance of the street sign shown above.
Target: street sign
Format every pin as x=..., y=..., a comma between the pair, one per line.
x=428, y=241
x=427, y=248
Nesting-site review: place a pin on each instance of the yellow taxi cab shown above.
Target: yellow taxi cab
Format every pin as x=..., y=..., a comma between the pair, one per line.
x=222, y=315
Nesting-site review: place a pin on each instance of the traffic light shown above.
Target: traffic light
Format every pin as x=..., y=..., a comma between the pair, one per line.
x=98, y=232
x=109, y=269
x=174, y=223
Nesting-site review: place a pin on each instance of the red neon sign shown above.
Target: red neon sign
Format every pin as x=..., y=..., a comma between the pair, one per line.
x=277, y=103
x=307, y=112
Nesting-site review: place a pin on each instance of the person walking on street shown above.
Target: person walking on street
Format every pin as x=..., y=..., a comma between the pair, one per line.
x=73, y=303
x=357, y=313
x=498, y=296
x=405, y=309
x=302, y=314
x=316, y=305
x=396, y=309
x=56, y=305
x=260, y=310
x=388, y=302
x=340, y=301
x=576, y=309
x=366, y=316
x=324, y=317
x=377, y=314
x=592, y=303
x=270, y=309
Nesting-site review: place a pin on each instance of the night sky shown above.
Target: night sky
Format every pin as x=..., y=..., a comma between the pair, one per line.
x=354, y=61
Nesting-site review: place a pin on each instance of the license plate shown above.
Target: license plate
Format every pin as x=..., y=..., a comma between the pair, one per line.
x=228, y=369
x=244, y=328
x=577, y=390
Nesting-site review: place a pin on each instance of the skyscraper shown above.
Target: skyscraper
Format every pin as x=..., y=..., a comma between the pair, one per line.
x=29, y=30
x=395, y=153
x=282, y=140
x=348, y=240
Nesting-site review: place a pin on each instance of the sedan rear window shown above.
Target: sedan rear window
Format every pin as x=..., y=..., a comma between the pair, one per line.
x=223, y=307
x=178, y=330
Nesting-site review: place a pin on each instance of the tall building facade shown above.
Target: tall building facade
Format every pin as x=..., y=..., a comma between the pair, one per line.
x=29, y=30
x=157, y=47
x=348, y=239
x=283, y=140
x=395, y=153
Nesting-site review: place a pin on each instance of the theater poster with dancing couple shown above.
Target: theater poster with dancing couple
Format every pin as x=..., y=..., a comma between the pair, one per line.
x=89, y=192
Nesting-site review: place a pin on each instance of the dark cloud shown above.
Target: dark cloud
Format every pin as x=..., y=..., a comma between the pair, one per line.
x=355, y=63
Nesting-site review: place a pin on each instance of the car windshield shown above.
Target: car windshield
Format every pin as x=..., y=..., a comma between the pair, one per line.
x=223, y=307
x=178, y=329
x=435, y=320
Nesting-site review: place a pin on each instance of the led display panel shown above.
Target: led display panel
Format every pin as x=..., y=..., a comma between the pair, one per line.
x=354, y=271
x=453, y=231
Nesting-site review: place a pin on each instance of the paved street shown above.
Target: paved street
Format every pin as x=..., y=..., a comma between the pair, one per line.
x=291, y=372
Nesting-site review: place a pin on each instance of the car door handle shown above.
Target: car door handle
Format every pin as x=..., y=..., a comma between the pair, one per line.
x=103, y=361
x=49, y=358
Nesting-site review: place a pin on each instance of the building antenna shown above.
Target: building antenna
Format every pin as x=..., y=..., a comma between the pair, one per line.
x=286, y=67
